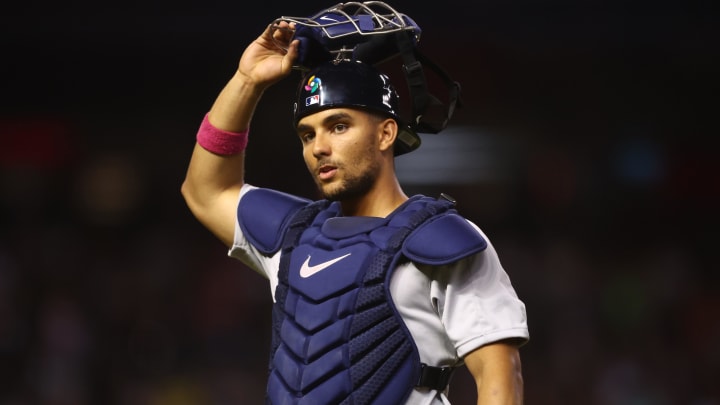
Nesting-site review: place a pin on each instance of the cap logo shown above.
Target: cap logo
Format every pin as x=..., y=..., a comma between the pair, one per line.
x=313, y=84
x=312, y=100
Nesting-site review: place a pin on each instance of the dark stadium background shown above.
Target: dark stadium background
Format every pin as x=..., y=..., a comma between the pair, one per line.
x=584, y=150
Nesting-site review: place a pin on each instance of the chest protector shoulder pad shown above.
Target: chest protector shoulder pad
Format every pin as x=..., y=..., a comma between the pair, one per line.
x=264, y=214
x=443, y=240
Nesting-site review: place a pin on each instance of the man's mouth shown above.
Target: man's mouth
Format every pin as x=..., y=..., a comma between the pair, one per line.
x=326, y=172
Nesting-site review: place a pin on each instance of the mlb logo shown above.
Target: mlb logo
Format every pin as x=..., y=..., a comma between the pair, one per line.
x=312, y=100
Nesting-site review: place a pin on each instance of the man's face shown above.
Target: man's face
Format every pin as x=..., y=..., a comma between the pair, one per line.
x=340, y=147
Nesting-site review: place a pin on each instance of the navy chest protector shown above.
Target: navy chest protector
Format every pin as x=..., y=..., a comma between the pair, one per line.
x=337, y=336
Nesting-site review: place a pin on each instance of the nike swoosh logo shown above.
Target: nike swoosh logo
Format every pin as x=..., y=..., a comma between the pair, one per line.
x=306, y=270
x=328, y=18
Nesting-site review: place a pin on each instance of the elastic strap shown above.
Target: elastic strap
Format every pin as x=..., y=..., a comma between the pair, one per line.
x=429, y=113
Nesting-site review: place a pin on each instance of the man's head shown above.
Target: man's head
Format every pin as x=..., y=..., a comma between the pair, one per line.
x=356, y=85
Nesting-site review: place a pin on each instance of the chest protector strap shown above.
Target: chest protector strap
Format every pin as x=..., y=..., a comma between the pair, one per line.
x=337, y=336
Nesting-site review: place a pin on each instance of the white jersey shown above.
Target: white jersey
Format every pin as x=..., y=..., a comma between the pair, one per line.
x=449, y=310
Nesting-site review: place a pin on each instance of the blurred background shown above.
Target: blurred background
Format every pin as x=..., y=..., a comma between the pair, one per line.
x=583, y=150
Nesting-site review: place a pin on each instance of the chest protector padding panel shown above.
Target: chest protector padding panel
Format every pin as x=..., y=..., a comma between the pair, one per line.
x=337, y=338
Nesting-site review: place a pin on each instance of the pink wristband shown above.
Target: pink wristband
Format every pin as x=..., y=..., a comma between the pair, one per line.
x=219, y=141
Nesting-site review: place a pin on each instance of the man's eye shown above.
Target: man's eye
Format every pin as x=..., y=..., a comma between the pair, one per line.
x=340, y=127
x=307, y=137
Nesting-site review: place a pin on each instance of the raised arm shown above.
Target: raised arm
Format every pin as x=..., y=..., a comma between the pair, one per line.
x=213, y=179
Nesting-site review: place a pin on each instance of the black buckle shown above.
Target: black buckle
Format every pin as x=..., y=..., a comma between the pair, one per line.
x=436, y=378
x=447, y=197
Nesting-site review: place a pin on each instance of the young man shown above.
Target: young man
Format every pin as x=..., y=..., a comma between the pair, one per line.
x=377, y=296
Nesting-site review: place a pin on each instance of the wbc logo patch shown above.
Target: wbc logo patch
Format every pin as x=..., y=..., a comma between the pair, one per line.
x=313, y=84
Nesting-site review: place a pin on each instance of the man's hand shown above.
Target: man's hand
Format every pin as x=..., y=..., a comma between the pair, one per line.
x=270, y=57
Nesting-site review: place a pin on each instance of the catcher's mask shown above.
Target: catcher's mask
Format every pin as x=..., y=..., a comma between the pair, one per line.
x=371, y=32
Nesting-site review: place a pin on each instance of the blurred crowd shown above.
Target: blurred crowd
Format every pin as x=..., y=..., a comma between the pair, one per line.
x=603, y=208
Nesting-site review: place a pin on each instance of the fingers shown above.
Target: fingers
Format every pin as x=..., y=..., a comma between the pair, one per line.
x=276, y=40
x=290, y=55
x=282, y=32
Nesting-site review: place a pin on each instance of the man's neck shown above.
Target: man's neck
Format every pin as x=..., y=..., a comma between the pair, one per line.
x=380, y=202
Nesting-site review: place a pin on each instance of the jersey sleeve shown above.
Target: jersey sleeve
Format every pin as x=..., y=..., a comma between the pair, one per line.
x=242, y=249
x=477, y=303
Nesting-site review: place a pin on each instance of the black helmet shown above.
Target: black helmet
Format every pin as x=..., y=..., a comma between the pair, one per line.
x=352, y=84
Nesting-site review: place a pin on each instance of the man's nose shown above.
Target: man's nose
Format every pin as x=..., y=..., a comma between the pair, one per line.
x=321, y=145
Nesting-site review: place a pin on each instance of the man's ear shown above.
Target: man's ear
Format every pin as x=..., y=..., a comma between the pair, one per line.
x=388, y=133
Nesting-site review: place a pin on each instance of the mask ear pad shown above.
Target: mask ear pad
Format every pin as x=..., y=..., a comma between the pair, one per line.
x=310, y=51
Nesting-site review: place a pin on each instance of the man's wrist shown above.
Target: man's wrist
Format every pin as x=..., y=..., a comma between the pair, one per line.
x=219, y=141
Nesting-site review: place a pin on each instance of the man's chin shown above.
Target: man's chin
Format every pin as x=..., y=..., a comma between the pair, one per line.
x=332, y=195
x=345, y=190
x=335, y=192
